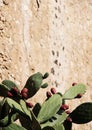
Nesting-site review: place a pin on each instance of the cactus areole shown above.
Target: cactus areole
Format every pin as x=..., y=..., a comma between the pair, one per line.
x=52, y=114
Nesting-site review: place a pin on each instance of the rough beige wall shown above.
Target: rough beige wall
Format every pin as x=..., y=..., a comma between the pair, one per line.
x=49, y=35
x=70, y=37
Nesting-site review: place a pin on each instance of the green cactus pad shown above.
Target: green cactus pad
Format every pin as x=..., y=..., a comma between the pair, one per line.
x=25, y=122
x=57, y=119
x=16, y=106
x=4, y=122
x=67, y=125
x=48, y=128
x=34, y=83
x=59, y=126
x=8, y=119
x=82, y=114
x=3, y=90
x=36, y=109
x=74, y=91
x=25, y=109
x=45, y=75
x=4, y=109
x=49, y=108
x=35, y=125
x=10, y=84
x=13, y=127
x=56, y=127
x=45, y=85
x=60, y=118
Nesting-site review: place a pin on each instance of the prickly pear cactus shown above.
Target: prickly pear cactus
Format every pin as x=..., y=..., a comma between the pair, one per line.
x=10, y=84
x=3, y=90
x=82, y=114
x=74, y=91
x=52, y=114
x=45, y=75
x=34, y=83
x=13, y=126
x=7, y=88
x=36, y=109
x=49, y=108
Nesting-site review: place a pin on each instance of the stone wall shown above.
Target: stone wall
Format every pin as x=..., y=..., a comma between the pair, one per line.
x=47, y=35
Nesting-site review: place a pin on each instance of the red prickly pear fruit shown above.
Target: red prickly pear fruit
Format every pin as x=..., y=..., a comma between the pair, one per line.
x=29, y=104
x=79, y=96
x=53, y=90
x=15, y=90
x=24, y=95
x=48, y=94
x=24, y=90
x=9, y=94
x=68, y=112
x=69, y=119
x=73, y=84
x=64, y=107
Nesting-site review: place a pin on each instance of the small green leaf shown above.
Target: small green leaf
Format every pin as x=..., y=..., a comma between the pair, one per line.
x=13, y=127
x=82, y=114
x=74, y=91
x=49, y=108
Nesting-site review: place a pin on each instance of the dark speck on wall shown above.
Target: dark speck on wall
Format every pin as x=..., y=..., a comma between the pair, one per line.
x=63, y=48
x=56, y=1
x=56, y=62
x=59, y=64
x=56, y=83
x=56, y=16
x=57, y=54
x=53, y=53
x=52, y=71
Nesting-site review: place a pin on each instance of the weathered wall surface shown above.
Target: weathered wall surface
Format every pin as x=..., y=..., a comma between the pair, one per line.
x=53, y=36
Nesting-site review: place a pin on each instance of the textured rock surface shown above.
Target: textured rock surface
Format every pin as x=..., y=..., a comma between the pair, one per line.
x=53, y=36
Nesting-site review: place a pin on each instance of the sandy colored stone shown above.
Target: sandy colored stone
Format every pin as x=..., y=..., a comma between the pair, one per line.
x=53, y=36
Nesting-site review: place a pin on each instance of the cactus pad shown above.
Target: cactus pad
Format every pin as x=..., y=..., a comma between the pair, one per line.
x=74, y=91
x=10, y=84
x=49, y=108
x=82, y=114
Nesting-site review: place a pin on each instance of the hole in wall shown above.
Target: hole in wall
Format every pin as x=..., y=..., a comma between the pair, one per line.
x=53, y=53
x=56, y=1
x=56, y=62
x=52, y=71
